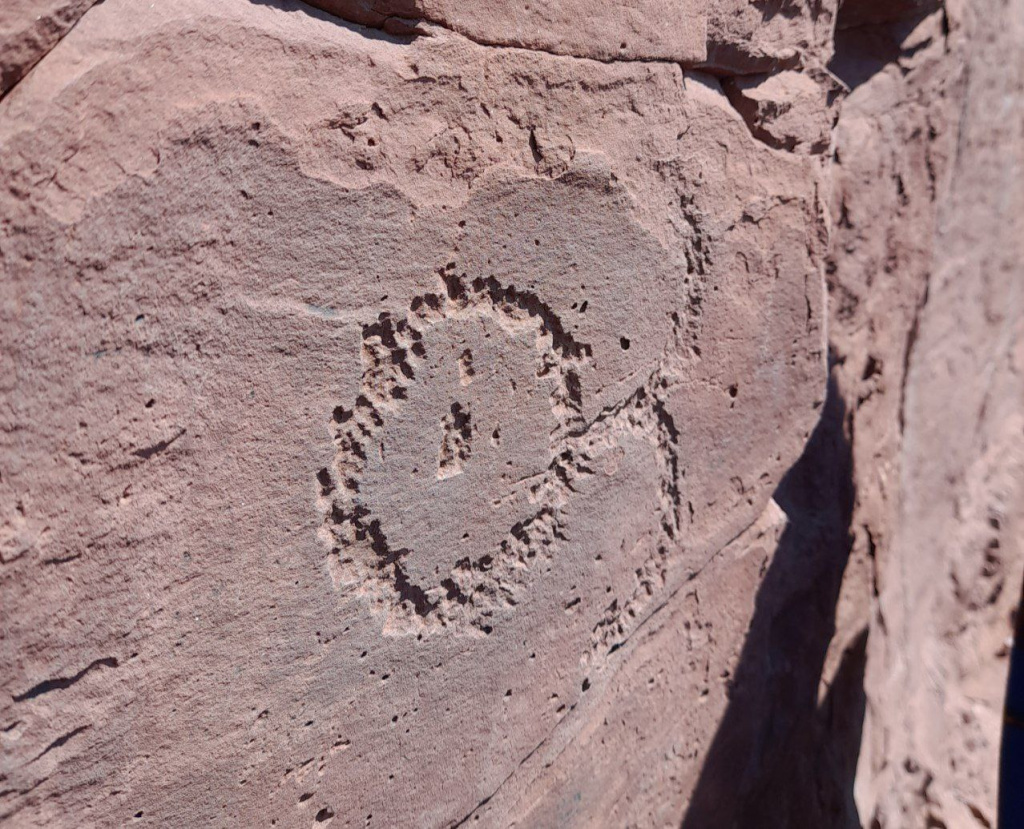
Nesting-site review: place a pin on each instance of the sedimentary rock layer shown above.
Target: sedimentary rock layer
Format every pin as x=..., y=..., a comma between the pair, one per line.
x=407, y=412
x=365, y=396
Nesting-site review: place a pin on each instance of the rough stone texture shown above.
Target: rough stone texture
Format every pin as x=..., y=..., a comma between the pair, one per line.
x=636, y=29
x=725, y=37
x=937, y=376
x=880, y=698
x=910, y=492
x=789, y=110
x=363, y=399
x=31, y=28
x=746, y=37
x=392, y=416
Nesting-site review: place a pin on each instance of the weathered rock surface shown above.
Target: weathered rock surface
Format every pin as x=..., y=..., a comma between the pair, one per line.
x=633, y=30
x=910, y=492
x=767, y=35
x=788, y=110
x=31, y=28
x=937, y=379
x=393, y=401
x=879, y=700
x=363, y=399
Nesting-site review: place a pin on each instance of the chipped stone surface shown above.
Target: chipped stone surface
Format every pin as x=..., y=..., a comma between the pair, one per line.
x=632, y=30
x=364, y=396
x=936, y=182
x=402, y=405
x=724, y=37
x=31, y=28
x=746, y=38
x=788, y=110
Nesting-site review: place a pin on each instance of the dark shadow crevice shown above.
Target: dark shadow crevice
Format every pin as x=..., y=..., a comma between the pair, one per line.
x=871, y=34
x=779, y=758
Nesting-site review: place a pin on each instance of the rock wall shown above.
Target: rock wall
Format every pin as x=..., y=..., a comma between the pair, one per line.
x=405, y=407
x=940, y=491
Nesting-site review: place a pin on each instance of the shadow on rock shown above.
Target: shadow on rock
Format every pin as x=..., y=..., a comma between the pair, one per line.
x=779, y=757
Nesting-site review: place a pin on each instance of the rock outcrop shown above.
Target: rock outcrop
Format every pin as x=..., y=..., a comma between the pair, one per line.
x=927, y=321
x=405, y=407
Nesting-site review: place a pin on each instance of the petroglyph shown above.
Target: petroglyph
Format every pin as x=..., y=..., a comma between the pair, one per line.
x=477, y=350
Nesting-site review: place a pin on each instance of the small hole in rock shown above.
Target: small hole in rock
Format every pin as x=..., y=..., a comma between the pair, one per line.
x=624, y=343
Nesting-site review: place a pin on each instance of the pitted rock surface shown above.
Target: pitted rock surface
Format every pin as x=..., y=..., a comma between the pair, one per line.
x=403, y=409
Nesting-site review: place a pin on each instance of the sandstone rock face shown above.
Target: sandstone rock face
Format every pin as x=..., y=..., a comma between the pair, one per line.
x=31, y=28
x=364, y=398
x=939, y=391
x=394, y=396
x=634, y=30
x=880, y=637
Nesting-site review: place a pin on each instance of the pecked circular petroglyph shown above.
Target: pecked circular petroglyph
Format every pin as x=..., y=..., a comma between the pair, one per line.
x=458, y=462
